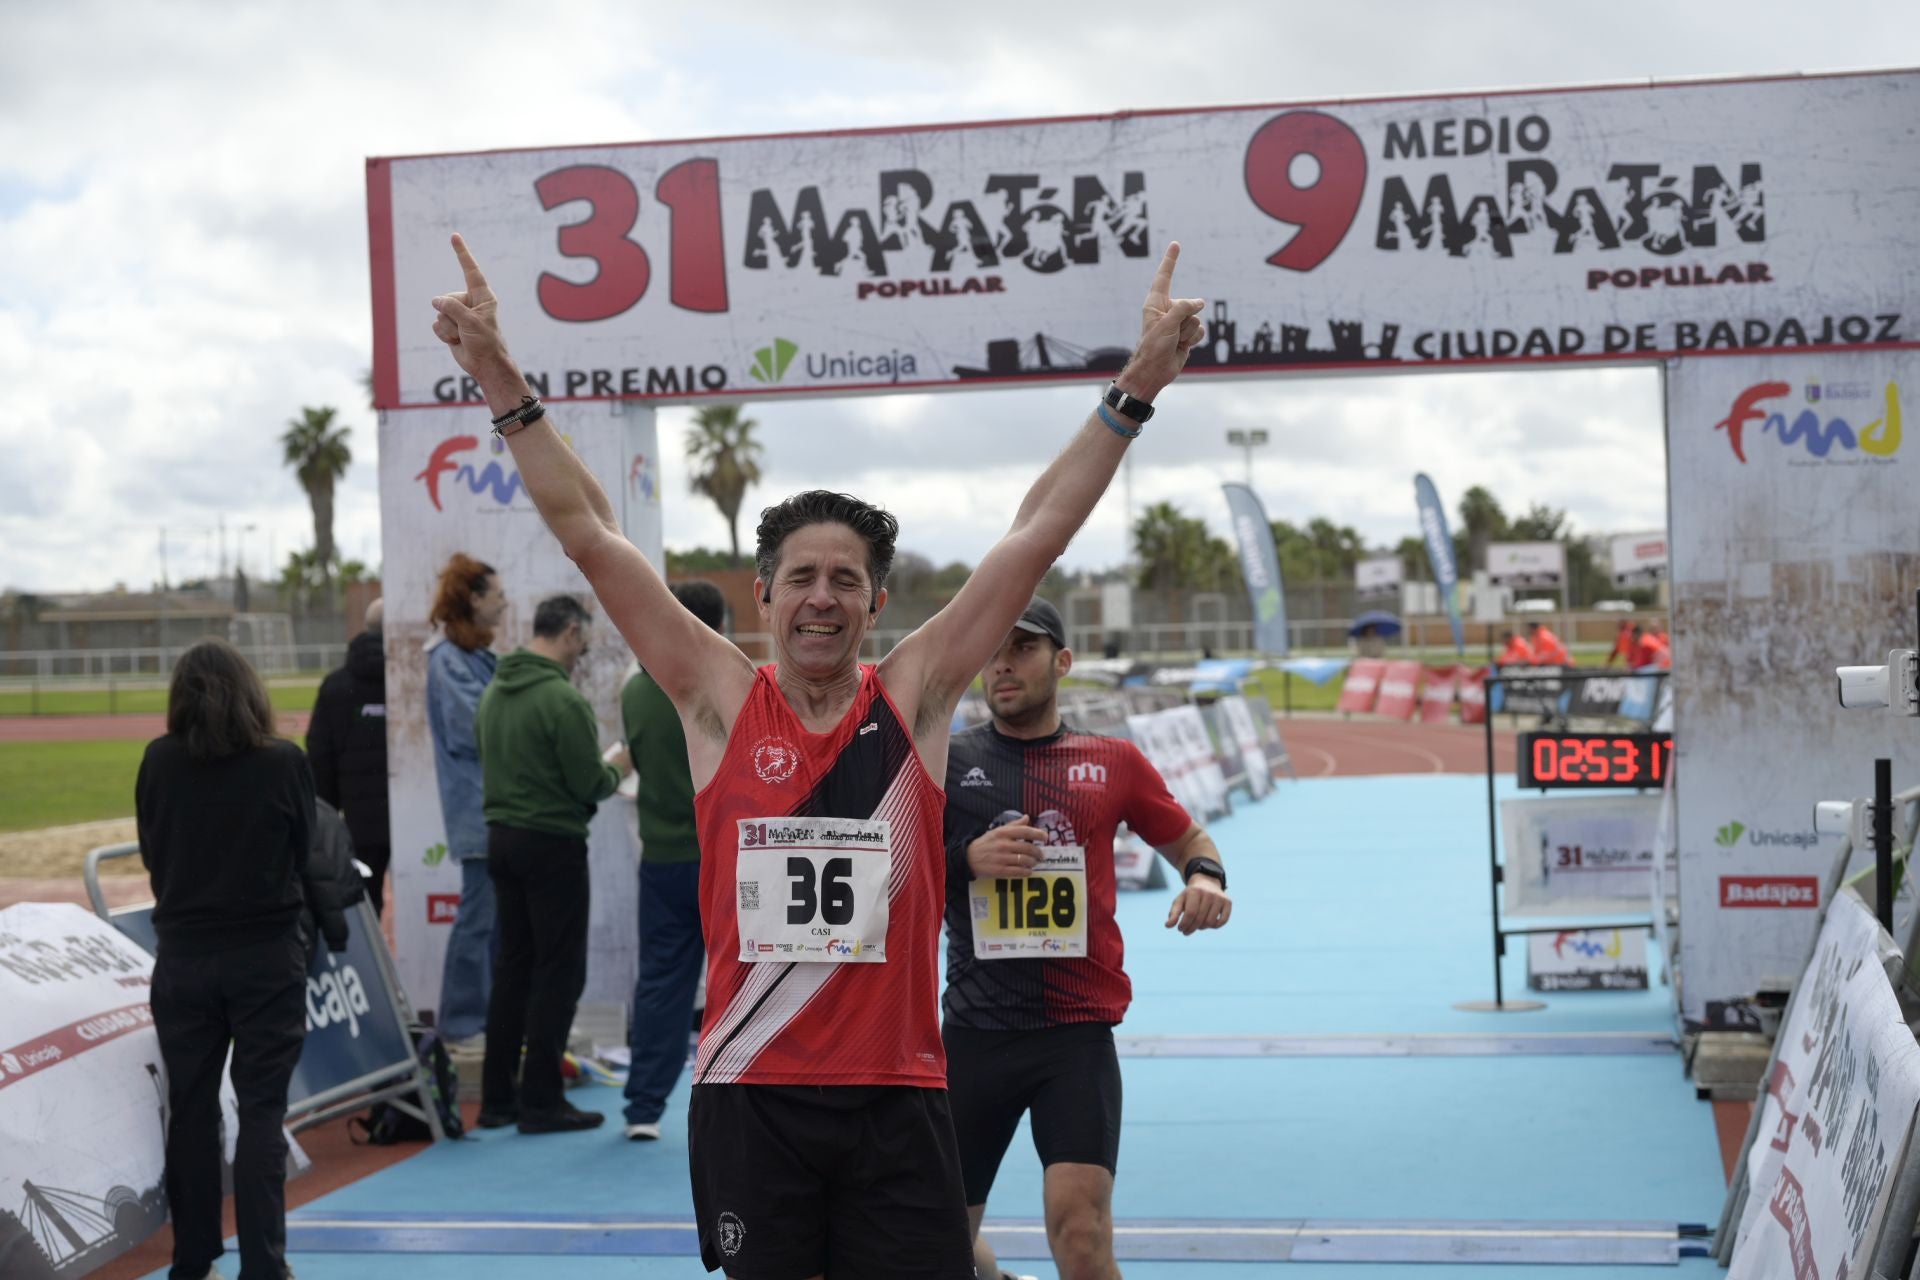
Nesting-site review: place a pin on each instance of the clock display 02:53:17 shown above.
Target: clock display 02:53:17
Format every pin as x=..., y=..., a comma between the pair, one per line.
x=1559, y=760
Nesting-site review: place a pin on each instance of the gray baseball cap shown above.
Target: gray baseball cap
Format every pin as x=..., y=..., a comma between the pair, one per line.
x=1042, y=619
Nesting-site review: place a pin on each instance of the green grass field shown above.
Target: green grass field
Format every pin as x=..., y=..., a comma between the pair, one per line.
x=49, y=784
x=102, y=700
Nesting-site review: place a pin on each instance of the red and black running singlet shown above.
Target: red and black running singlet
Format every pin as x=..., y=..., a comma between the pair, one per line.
x=1078, y=787
x=821, y=1020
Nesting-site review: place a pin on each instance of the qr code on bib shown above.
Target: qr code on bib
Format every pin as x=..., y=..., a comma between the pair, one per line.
x=749, y=895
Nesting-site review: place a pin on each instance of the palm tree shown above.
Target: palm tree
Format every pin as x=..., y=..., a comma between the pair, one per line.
x=318, y=453
x=1160, y=546
x=726, y=458
x=1483, y=520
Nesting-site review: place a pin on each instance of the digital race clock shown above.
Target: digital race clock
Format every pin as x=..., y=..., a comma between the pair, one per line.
x=1560, y=760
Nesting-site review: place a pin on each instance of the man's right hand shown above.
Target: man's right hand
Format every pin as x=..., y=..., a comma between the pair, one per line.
x=1006, y=852
x=469, y=322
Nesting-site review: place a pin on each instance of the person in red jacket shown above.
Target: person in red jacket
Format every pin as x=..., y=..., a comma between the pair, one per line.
x=1517, y=653
x=1547, y=649
x=1623, y=642
x=1652, y=649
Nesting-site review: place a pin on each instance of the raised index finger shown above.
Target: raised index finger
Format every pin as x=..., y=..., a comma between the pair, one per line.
x=476, y=280
x=1163, y=277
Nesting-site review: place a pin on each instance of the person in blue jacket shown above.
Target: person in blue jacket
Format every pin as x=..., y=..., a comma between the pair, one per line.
x=467, y=606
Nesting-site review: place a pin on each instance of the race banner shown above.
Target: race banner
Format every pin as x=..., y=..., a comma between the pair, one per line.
x=1528, y=691
x=83, y=1098
x=1791, y=493
x=1237, y=719
x=1436, y=699
x=446, y=485
x=1526, y=564
x=1446, y=577
x=1614, y=697
x=1588, y=960
x=1361, y=686
x=1578, y=855
x=1638, y=559
x=1473, y=695
x=1260, y=567
x=1378, y=576
x=1399, y=690
x=1835, y=1115
x=1630, y=222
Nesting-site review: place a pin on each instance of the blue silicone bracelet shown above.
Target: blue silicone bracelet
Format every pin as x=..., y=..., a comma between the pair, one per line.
x=1113, y=423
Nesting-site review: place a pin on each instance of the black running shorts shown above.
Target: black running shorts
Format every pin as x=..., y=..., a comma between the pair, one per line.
x=1067, y=1076
x=861, y=1182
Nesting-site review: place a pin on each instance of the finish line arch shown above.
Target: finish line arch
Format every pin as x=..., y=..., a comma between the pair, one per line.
x=1766, y=220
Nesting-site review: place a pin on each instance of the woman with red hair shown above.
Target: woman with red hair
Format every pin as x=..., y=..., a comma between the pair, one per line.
x=467, y=606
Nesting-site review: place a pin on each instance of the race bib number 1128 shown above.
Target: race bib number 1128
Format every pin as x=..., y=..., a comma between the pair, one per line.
x=1042, y=914
x=813, y=889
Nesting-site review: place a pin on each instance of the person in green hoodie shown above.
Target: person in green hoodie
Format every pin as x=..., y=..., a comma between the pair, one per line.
x=542, y=776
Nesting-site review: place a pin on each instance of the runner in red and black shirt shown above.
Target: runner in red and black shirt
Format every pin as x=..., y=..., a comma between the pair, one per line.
x=819, y=1133
x=1035, y=976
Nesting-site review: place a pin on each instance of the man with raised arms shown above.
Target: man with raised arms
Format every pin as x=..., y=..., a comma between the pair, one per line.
x=819, y=1133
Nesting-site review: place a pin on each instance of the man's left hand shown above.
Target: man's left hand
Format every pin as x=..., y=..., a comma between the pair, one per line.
x=1203, y=904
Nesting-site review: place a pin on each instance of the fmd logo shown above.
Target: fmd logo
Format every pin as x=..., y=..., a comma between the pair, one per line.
x=1830, y=438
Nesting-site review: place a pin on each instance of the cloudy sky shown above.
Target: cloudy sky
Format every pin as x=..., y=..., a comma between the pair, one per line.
x=183, y=258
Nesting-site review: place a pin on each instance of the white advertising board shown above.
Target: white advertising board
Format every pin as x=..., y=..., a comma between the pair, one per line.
x=1631, y=222
x=1834, y=1115
x=1526, y=564
x=1378, y=576
x=447, y=486
x=1792, y=500
x=1587, y=960
x=1638, y=559
x=82, y=1093
x=1568, y=855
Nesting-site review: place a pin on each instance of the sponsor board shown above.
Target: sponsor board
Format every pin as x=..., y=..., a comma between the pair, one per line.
x=1792, y=553
x=1638, y=221
x=1587, y=960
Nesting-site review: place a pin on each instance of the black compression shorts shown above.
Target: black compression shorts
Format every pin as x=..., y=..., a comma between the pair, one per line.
x=1067, y=1076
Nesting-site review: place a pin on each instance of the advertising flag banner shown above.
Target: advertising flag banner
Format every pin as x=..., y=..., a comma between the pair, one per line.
x=1638, y=221
x=1526, y=564
x=1792, y=500
x=1433, y=530
x=1638, y=559
x=1260, y=566
x=1835, y=1113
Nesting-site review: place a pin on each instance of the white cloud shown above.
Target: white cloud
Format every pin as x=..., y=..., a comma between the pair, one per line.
x=183, y=256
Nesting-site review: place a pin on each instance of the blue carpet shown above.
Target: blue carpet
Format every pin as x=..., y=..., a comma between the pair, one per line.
x=1361, y=906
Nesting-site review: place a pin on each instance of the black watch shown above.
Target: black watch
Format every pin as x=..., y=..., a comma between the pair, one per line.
x=1203, y=867
x=1120, y=402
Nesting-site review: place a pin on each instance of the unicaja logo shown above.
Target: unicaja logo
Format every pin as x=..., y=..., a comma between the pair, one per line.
x=770, y=362
x=1729, y=835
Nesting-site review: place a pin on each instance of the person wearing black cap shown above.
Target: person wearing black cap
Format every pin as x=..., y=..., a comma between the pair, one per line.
x=1035, y=981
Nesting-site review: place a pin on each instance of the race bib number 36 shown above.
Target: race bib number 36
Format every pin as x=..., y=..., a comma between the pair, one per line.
x=813, y=889
x=1042, y=914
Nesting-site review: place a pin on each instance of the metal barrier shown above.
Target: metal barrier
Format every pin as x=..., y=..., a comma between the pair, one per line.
x=359, y=1046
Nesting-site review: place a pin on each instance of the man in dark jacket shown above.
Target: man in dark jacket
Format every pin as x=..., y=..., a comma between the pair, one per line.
x=542, y=777
x=347, y=742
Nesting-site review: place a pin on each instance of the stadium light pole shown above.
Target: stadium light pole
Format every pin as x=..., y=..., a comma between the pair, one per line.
x=1247, y=441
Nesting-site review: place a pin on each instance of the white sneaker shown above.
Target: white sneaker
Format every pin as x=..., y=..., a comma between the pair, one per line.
x=643, y=1132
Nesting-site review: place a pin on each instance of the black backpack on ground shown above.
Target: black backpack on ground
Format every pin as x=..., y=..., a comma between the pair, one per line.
x=385, y=1124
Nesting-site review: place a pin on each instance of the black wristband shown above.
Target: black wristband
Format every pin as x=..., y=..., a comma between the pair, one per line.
x=530, y=410
x=1203, y=867
x=1120, y=402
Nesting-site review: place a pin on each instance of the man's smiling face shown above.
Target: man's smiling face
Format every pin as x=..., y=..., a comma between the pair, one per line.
x=822, y=600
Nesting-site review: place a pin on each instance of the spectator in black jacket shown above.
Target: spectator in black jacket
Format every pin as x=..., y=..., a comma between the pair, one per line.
x=225, y=815
x=347, y=742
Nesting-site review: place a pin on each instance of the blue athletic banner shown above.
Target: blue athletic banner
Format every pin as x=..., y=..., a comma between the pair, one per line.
x=1260, y=566
x=1433, y=529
